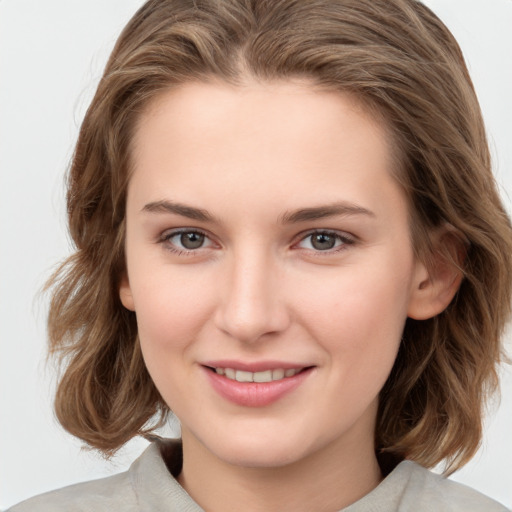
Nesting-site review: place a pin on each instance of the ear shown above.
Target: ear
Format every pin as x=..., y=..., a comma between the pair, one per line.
x=125, y=293
x=437, y=281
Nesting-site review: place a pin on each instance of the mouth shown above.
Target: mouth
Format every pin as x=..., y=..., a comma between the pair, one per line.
x=256, y=385
x=264, y=376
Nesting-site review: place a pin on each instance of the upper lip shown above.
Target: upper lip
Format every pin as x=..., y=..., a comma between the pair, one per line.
x=254, y=366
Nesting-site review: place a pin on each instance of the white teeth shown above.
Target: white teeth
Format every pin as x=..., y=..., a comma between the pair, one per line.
x=263, y=376
x=278, y=374
x=242, y=376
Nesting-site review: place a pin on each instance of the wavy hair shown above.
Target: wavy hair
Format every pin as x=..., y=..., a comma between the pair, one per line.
x=400, y=61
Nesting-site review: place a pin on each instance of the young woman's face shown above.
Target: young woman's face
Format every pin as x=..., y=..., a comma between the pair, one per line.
x=267, y=241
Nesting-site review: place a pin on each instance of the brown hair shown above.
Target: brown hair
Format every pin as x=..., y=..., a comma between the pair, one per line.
x=399, y=59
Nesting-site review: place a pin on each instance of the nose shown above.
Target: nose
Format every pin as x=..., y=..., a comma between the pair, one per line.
x=252, y=303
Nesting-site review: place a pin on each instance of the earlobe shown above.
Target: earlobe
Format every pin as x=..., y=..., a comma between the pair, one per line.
x=435, y=285
x=125, y=293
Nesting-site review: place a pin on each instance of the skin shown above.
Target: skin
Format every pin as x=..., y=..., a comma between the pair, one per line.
x=259, y=289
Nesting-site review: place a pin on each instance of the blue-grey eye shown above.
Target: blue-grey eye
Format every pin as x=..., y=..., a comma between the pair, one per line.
x=185, y=240
x=191, y=239
x=323, y=241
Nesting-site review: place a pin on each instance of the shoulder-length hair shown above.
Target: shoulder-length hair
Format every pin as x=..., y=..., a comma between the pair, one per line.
x=400, y=61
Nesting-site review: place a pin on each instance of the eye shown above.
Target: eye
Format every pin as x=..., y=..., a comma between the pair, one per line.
x=325, y=241
x=185, y=240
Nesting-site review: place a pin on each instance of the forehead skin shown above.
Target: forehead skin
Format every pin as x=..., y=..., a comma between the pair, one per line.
x=198, y=109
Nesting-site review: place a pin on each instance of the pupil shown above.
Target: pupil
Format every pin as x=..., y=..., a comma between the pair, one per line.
x=323, y=241
x=192, y=240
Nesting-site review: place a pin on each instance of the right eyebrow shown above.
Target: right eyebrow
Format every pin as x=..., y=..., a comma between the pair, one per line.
x=166, y=206
x=321, y=212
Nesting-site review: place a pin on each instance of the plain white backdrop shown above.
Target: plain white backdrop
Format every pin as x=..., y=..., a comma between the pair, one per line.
x=51, y=56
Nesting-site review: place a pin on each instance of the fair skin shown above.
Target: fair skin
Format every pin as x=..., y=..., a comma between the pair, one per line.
x=265, y=233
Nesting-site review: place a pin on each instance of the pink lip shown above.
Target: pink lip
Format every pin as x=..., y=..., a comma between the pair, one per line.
x=252, y=394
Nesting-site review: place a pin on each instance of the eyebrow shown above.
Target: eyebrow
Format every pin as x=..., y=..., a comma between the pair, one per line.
x=184, y=210
x=301, y=215
x=341, y=208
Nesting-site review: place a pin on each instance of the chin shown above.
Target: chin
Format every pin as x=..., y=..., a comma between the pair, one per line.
x=261, y=450
x=269, y=457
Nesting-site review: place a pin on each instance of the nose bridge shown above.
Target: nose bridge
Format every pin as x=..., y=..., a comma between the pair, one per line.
x=251, y=302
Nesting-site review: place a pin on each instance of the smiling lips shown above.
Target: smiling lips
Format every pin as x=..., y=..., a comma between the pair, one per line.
x=255, y=388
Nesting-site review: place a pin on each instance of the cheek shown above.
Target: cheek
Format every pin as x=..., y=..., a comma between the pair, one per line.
x=359, y=315
x=171, y=312
x=358, y=324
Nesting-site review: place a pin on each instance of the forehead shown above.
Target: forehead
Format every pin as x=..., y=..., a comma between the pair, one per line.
x=255, y=101
x=273, y=141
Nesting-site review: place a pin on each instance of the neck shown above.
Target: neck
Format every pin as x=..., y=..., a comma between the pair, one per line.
x=327, y=480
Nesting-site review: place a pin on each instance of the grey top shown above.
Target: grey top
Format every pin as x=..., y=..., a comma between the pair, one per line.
x=149, y=486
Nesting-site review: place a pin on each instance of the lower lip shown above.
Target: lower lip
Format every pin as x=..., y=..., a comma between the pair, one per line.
x=255, y=394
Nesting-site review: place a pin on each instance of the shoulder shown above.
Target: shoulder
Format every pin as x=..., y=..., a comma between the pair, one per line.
x=105, y=494
x=412, y=488
x=428, y=491
x=148, y=485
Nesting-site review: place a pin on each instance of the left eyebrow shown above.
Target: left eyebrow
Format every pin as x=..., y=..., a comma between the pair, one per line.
x=179, y=209
x=321, y=212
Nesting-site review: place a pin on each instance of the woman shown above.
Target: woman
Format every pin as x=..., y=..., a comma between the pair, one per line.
x=288, y=234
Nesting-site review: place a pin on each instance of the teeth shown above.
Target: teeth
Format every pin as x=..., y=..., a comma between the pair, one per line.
x=264, y=376
x=242, y=376
x=277, y=374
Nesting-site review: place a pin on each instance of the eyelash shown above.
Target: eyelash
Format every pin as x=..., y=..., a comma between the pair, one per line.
x=345, y=239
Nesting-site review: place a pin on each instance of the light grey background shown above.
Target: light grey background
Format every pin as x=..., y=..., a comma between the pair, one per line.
x=52, y=53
